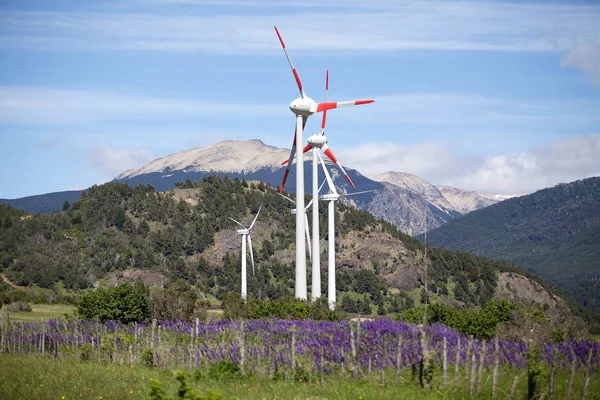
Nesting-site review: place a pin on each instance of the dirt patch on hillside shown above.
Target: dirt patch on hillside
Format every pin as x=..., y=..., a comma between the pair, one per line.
x=520, y=289
x=397, y=266
x=149, y=278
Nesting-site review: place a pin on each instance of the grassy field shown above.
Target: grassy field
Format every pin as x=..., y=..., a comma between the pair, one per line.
x=39, y=312
x=32, y=377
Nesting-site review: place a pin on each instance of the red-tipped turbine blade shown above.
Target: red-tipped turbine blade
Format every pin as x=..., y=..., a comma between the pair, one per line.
x=340, y=104
x=332, y=157
x=324, y=120
x=296, y=76
x=289, y=160
x=289, y=164
x=306, y=148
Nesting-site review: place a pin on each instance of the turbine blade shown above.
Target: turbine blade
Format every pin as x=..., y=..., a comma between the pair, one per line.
x=289, y=161
x=332, y=157
x=308, y=205
x=306, y=148
x=327, y=176
x=320, y=187
x=352, y=194
x=307, y=229
x=339, y=104
x=287, y=198
x=237, y=222
x=251, y=253
x=296, y=76
x=324, y=119
x=256, y=217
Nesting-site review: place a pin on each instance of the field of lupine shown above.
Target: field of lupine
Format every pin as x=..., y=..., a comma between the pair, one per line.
x=380, y=351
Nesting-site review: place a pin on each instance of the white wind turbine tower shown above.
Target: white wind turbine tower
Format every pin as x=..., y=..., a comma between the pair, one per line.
x=306, y=227
x=245, y=233
x=303, y=107
x=332, y=197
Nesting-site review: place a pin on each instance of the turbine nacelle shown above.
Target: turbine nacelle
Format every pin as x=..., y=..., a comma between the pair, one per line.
x=317, y=140
x=329, y=197
x=243, y=231
x=303, y=106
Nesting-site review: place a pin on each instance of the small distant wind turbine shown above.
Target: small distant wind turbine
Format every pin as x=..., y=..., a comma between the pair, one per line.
x=245, y=233
x=332, y=197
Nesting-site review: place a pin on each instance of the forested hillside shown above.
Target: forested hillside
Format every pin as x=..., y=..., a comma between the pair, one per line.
x=554, y=233
x=184, y=233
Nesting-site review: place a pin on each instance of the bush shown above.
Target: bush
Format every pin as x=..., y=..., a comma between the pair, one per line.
x=19, y=306
x=224, y=369
x=481, y=324
x=148, y=358
x=85, y=352
x=125, y=303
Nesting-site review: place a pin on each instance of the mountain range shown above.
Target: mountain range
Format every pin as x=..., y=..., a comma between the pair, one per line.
x=553, y=233
x=405, y=200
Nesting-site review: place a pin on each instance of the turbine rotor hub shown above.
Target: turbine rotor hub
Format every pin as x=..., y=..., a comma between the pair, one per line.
x=303, y=106
x=317, y=140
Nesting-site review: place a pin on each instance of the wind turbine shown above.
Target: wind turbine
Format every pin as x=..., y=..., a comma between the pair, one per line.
x=303, y=107
x=245, y=233
x=317, y=142
x=332, y=197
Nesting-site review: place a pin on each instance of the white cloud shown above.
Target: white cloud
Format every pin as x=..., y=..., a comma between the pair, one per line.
x=46, y=105
x=561, y=160
x=585, y=55
x=246, y=27
x=112, y=161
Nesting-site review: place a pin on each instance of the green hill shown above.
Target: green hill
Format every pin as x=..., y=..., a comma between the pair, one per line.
x=116, y=233
x=554, y=233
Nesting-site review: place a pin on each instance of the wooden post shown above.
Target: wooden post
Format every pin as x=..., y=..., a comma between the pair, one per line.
x=468, y=360
x=481, y=361
x=293, y=351
x=496, y=366
x=473, y=373
x=398, y=360
x=552, y=374
x=513, y=390
x=153, y=334
x=242, y=343
x=425, y=359
x=588, y=370
x=444, y=362
x=115, y=345
x=353, y=349
x=573, y=371
x=383, y=357
x=457, y=362
x=43, y=339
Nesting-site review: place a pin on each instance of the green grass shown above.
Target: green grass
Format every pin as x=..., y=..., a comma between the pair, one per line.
x=33, y=377
x=39, y=312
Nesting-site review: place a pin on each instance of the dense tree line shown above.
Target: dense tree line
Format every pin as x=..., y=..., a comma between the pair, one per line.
x=113, y=227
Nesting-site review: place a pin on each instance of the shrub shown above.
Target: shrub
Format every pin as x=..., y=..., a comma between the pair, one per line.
x=126, y=303
x=148, y=358
x=85, y=352
x=19, y=306
x=224, y=369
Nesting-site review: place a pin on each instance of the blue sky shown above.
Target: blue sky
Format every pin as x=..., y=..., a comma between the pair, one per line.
x=499, y=97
